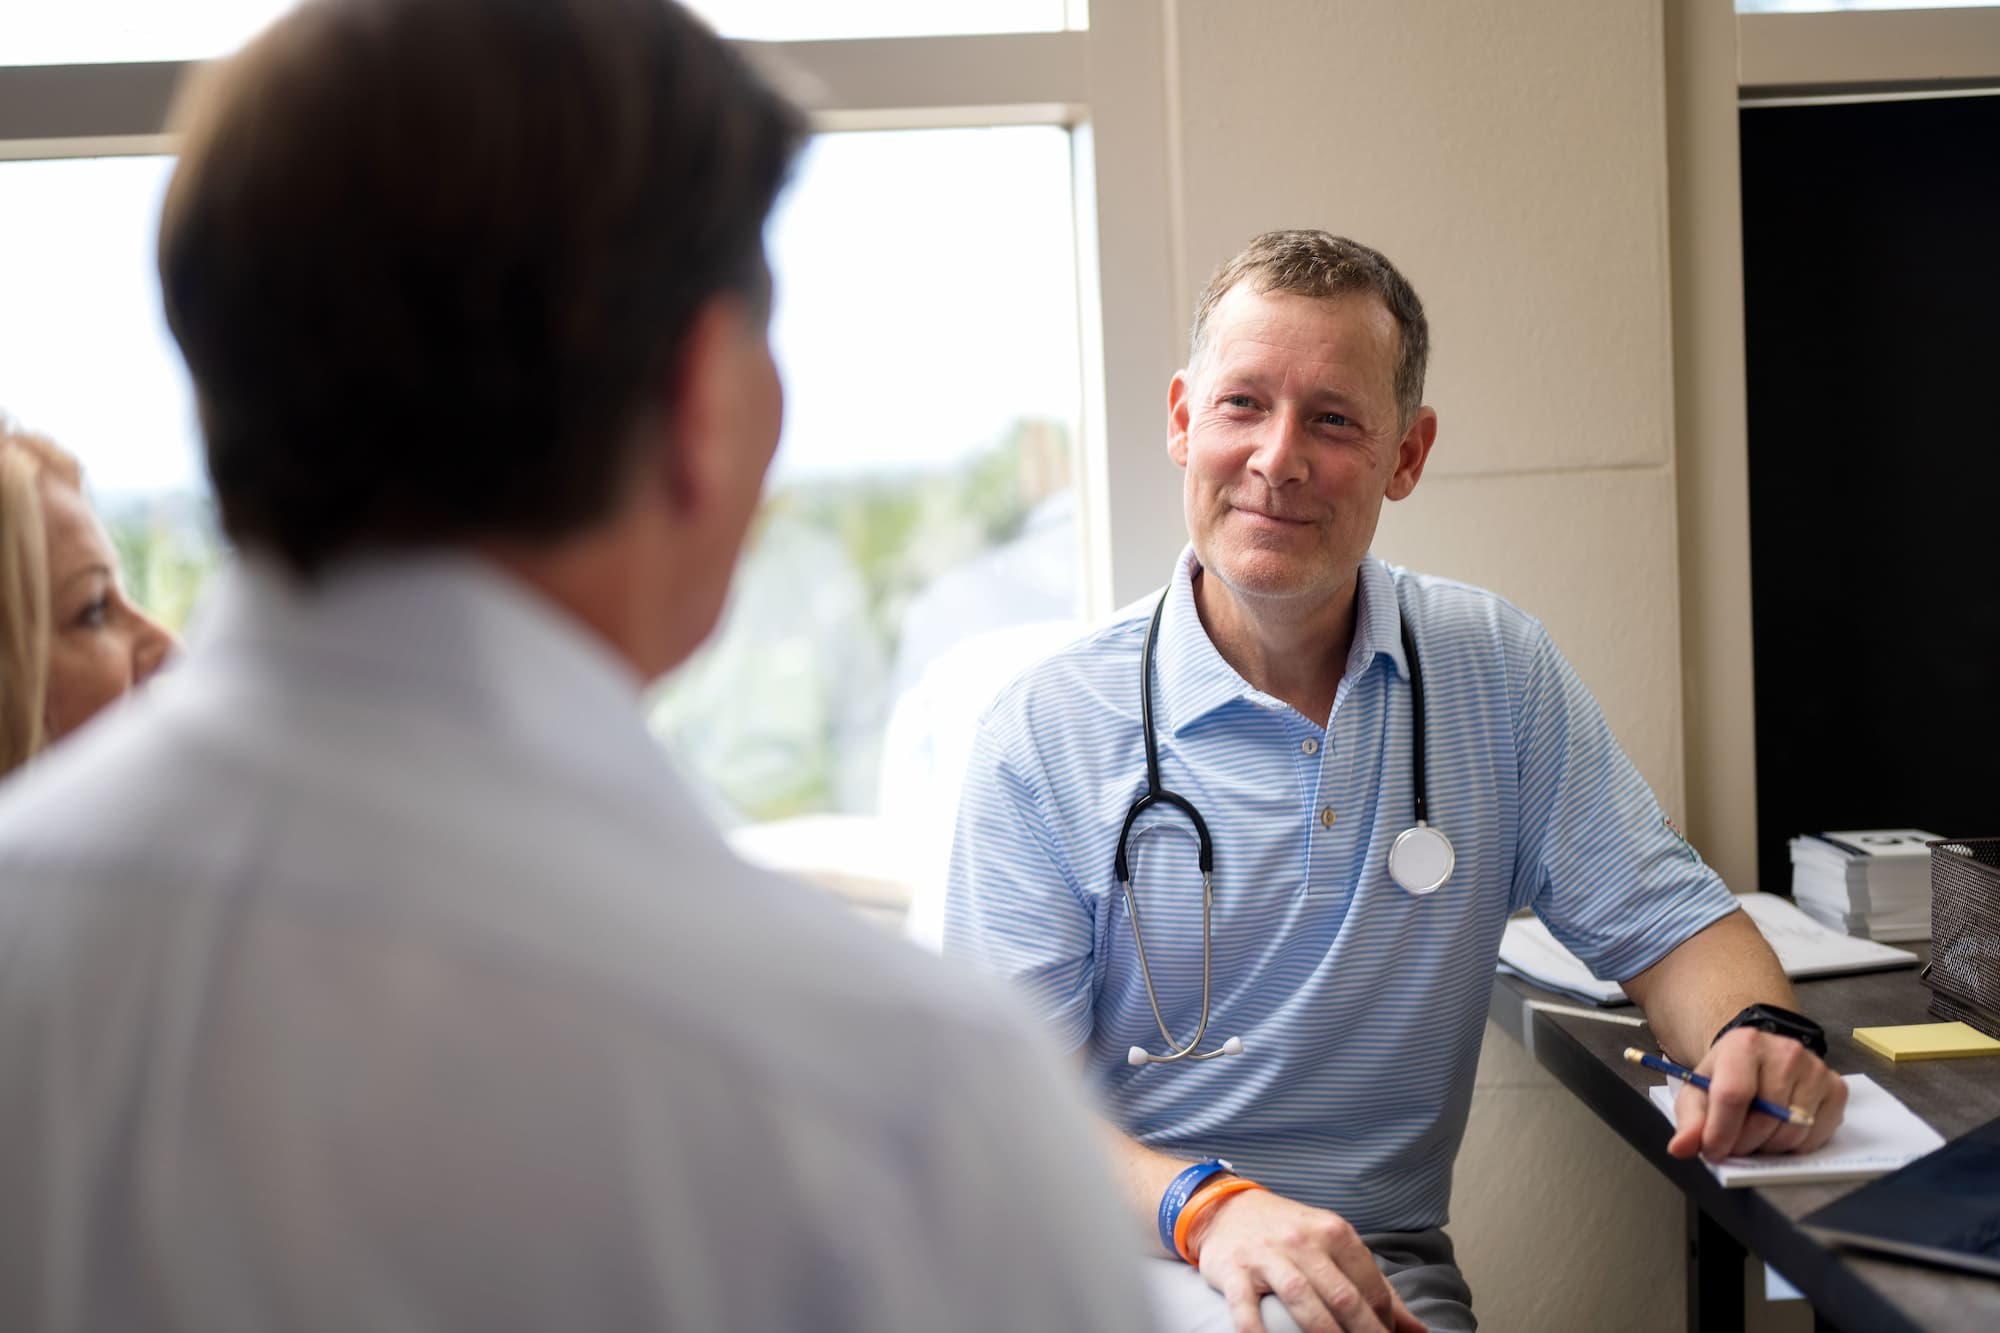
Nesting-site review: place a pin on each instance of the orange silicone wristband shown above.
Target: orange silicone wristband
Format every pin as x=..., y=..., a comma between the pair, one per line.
x=1199, y=1206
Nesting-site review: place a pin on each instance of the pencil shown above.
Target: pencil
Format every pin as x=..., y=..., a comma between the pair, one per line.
x=1796, y=1115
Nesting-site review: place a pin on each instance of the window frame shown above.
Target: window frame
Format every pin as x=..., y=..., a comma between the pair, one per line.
x=1848, y=53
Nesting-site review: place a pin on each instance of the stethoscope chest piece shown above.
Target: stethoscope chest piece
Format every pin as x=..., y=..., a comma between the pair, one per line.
x=1420, y=860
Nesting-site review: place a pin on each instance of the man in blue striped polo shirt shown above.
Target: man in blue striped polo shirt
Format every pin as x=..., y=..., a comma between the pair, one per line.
x=1282, y=710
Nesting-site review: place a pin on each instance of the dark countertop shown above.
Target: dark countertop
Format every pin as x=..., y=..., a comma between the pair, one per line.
x=1853, y=1290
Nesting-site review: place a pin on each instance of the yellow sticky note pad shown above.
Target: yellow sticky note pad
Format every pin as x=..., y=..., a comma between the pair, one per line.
x=1927, y=1041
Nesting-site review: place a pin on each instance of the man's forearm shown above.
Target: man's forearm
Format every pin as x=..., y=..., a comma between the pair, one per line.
x=1707, y=980
x=1141, y=1174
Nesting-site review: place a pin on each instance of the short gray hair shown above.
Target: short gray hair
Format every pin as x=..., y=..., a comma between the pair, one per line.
x=1322, y=266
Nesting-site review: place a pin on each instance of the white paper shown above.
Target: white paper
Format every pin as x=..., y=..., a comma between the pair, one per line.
x=1528, y=950
x=1893, y=843
x=1804, y=947
x=1877, y=1135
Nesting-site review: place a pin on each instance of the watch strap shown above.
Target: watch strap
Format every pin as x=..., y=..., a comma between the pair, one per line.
x=1780, y=1021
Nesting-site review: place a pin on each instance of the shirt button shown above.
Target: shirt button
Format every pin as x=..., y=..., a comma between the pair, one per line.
x=1326, y=817
x=1309, y=745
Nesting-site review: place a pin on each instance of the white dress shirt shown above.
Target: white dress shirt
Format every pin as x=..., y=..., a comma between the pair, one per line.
x=375, y=972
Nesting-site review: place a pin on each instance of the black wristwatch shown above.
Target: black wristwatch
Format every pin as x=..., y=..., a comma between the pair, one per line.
x=1770, y=1018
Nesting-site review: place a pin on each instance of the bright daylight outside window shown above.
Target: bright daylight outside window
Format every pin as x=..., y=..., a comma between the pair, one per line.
x=1829, y=6
x=918, y=540
x=54, y=32
x=85, y=357
x=918, y=533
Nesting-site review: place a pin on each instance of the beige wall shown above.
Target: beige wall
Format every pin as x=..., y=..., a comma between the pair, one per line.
x=1512, y=159
x=1713, y=457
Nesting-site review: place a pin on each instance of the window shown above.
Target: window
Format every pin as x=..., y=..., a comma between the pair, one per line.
x=975, y=283
x=98, y=31
x=85, y=357
x=922, y=493
x=77, y=32
x=1829, y=6
x=811, y=20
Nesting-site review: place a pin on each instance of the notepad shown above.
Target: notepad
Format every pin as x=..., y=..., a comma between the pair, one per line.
x=1878, y=1134
x=1804, y=947
x=1927, y=1041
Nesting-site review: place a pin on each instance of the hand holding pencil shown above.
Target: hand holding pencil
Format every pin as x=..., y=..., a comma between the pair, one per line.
x=1753, y=1092
x=1791, y=1114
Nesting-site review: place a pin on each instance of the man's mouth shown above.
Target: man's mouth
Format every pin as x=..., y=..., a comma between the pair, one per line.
x=1270, y=516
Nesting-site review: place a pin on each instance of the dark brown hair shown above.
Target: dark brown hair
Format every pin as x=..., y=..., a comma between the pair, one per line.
x=428, y=259
x=1323, y=266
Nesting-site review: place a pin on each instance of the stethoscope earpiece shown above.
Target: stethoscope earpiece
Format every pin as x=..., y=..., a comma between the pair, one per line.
x=1420, y=859
x=1139, y=1055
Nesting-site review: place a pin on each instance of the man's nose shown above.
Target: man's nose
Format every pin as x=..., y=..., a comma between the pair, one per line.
x=1280, y=455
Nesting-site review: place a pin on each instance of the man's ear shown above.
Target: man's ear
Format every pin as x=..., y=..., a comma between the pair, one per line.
x=699, y=411
x=1413, y=453
x=1179, y=393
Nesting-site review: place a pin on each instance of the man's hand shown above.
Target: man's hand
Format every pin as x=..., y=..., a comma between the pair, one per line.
x=1311, y=1259
x=1748, y=1063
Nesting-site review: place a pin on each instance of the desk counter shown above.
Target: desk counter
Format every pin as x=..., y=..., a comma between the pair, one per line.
x=1848, y=1290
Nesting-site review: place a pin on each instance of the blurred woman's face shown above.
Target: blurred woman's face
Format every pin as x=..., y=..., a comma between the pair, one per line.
x=102, y=645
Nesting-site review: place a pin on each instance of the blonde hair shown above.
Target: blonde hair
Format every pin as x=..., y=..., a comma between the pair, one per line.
x=25, y=618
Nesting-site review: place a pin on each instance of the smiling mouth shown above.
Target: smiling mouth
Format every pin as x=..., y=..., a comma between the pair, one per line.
x=1272, y=518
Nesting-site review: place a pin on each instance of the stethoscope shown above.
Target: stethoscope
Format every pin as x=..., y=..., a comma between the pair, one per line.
x=1420, y=859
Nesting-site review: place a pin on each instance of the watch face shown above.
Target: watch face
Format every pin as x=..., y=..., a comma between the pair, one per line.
x=1784, y=1023
x=1796, y=1026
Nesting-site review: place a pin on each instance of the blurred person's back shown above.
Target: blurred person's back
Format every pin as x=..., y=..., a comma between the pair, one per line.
x=376, y=971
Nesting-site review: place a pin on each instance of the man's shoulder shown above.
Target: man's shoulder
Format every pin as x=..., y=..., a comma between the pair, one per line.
x=458, y=846
x=631, y=898
x=680, y=1019
x=105, y=794
x=1451, y=616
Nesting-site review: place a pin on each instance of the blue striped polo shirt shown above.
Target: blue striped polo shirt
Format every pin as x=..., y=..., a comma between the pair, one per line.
x=1361, y=1006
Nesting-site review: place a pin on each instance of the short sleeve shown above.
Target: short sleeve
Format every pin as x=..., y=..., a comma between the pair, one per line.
x=1599, y=861
x=1012, y=904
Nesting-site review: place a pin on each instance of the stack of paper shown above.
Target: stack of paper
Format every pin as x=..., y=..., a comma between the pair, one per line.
x=1875, y=883
x=1804, y=948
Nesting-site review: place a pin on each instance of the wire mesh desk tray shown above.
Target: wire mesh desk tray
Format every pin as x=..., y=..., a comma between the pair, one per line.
x=1964, y=971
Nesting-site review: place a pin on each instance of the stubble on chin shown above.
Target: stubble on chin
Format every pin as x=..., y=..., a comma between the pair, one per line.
x=1255, y=574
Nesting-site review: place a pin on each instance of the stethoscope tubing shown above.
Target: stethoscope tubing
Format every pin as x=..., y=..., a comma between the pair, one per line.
x=1157, y=794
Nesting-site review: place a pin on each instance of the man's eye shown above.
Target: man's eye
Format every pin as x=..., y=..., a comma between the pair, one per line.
x=1335, y=419
x=1236, y=400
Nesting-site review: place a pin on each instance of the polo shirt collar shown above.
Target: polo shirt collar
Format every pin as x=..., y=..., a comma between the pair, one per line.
x=1379, y=626
x=1191, y=679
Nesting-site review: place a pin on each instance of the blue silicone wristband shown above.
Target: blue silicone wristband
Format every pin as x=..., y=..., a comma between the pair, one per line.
x=1180, y=1191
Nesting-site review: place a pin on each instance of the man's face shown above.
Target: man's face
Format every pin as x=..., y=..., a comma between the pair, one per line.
x=1288, y=430
x=734, y=411
x=763, y=418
